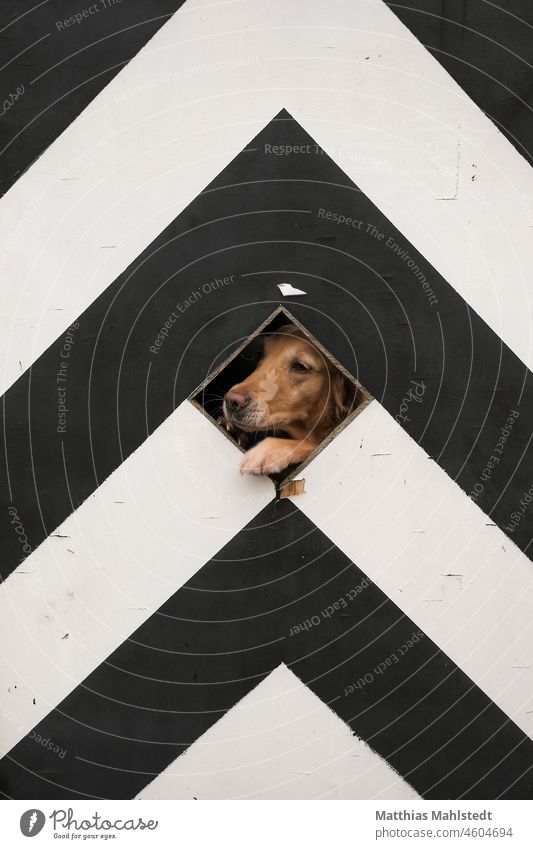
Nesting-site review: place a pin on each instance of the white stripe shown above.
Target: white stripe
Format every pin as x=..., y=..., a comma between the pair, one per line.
x=210, y=79
x=417, y=535
x=150, y=526
x=279, y=742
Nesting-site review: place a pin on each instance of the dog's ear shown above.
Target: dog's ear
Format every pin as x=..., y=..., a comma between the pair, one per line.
x=344, y=396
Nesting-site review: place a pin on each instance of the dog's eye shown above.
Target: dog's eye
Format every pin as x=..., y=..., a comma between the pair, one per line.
x=297, y=366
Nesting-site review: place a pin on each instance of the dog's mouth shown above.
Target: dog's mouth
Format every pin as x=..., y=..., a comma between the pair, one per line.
x=252, y=417
x=256, y=423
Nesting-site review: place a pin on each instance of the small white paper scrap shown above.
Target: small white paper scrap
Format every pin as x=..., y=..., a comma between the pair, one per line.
x=287, y=289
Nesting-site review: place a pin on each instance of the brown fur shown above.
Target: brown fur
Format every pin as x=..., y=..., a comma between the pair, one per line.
x=294, y=389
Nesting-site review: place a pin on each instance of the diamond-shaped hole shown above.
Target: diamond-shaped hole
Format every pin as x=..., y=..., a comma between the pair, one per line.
x=240, y=364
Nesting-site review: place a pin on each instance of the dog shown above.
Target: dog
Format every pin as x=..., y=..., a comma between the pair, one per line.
x=294, y=389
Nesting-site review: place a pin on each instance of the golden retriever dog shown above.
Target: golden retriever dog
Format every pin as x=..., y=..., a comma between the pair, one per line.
x=294, y=389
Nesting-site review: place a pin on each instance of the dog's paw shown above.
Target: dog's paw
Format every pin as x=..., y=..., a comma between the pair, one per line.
x=266, y=458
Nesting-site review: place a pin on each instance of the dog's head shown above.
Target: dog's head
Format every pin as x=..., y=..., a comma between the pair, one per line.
x=294, y=389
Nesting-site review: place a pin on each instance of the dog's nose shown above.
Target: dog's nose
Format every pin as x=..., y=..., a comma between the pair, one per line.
x=235, y=401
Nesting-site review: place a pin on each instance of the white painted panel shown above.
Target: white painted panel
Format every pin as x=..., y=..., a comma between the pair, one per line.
x=417, y=535
x=279, y=742
x=150, y=526
x=207, y=82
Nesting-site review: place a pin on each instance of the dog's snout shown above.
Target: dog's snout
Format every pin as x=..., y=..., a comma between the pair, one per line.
x=235, y=401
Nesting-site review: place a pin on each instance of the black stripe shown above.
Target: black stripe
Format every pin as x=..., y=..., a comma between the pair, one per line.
x=364, y=303
x=271, y=595
x=65, y=67
x=488, y=49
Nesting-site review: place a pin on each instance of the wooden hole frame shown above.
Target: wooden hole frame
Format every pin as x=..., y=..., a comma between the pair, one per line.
x=362, y=391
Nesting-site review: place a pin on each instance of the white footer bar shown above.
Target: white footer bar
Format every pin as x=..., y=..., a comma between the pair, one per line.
x=262, y=825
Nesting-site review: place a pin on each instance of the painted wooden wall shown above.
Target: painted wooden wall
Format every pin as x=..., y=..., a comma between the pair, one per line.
x=168, y=628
